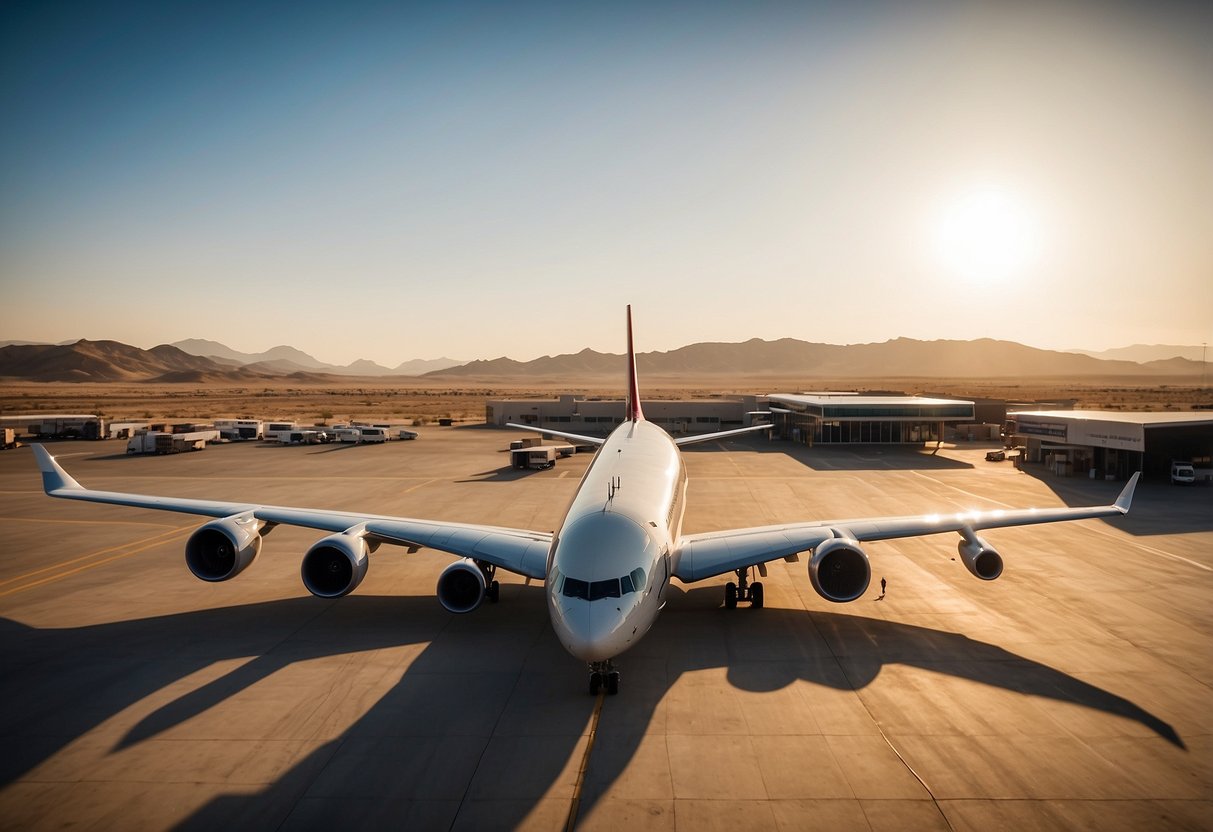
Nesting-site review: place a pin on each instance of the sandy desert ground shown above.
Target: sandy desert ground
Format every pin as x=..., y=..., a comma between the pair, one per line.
x=404, y=400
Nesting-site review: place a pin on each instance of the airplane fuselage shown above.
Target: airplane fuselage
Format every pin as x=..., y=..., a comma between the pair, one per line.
x=610, y=561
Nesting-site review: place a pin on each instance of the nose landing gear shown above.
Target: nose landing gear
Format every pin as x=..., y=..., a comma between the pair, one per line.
x=743, y=590
x=603, y=674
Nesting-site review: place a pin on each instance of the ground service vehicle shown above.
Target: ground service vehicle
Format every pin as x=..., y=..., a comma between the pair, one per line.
x=1182, y=473
x=541, y=456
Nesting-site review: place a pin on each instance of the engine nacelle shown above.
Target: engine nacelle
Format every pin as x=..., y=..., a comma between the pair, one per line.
x=462, y=586
x=839, y=570
x=980, y=558
x=335, y=565
x=222, y=549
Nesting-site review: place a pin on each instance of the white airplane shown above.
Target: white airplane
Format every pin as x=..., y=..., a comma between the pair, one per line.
x=608, y=565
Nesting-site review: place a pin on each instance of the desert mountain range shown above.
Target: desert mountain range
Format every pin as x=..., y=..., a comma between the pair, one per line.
x=284, y=359
x=983, y=358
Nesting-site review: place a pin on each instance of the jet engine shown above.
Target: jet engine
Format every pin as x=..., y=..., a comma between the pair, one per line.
x=839, y=570
x=222, y=549
x=980, y=558
x=462, y=586
x=335, y=565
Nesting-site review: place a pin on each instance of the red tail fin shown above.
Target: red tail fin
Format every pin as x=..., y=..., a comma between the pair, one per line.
x=635, y=414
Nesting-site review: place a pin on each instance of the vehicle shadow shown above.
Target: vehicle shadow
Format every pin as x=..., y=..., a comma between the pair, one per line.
x=335, y=446
x=506, y=473
x=490, y=716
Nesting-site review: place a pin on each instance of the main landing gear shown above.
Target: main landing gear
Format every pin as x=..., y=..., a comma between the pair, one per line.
x=603, y=674
x=743, y=590
x=492, y=588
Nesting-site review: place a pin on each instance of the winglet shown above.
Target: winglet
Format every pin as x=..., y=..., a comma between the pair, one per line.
x=1126, y=496
x=634, y=412
x=54, y=478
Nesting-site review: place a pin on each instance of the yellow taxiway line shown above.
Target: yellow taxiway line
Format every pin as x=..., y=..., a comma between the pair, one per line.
x=124, y=551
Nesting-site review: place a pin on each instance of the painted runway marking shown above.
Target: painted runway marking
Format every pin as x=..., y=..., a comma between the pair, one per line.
x=1152, y=550
x=962, y=491
x=148, y=543
x=418, y=485
x=58, y=521
x=575, y=806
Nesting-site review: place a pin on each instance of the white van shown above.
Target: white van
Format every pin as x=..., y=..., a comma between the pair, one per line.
x=373, y=434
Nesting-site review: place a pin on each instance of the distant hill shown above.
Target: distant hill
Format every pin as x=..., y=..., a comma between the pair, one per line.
x=1142, y=353
x=900, y=357
x=101, y=361
x=202, y=347
x=419, y=366
x=288, y=359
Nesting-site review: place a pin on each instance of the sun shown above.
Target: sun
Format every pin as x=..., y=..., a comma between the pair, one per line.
x=987, y=234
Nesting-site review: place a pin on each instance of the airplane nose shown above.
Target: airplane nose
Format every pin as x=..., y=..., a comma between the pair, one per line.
x=591, y=630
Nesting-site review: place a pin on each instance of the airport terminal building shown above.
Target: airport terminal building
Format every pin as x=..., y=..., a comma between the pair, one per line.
x=596, y=416
x=835, y=418
x=1111, y=444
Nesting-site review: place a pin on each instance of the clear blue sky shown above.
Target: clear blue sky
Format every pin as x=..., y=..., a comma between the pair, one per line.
x=394, y=181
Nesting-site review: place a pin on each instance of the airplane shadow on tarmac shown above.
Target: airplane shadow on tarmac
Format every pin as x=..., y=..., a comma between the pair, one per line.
x=484, y=721
x=1159, y=507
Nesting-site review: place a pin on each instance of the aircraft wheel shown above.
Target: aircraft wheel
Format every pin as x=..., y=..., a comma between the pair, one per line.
x=494, y=591
x=612, y=682
x=756, y=596
x=730, y=596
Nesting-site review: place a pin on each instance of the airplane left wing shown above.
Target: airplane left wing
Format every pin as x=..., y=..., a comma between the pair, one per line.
x=516, y=550
x=576, y=437
x=715, y=553
x=720, y=434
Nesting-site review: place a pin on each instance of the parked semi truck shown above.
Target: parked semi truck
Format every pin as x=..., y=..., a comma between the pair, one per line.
x=239, y=430
x=66, y=427
x=161, y=442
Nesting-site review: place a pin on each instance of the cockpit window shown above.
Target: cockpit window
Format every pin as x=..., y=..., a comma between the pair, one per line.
x=604, y=589
x=594, y=590
x=576, y=588
x=637, y=577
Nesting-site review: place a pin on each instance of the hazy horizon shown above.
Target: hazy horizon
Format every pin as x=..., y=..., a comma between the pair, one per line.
x=619, y=351
x=392, y=182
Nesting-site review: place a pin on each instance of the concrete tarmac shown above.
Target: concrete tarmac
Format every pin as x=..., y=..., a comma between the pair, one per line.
x=1074, y=692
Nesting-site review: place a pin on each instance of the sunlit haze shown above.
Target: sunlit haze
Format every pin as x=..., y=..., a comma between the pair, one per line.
x=397, y=181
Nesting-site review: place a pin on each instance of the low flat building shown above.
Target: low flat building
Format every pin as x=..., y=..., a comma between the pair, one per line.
x=594, y=416
x=1111, y=444
x=837, y=418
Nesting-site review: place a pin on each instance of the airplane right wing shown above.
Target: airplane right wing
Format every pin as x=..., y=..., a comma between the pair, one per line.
x=720, y=434
x=715, y=553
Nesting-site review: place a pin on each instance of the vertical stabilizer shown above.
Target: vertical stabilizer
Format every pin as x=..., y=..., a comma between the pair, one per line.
x=634, y=412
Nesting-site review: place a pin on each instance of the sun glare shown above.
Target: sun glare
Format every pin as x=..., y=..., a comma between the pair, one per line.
x=987, y=235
